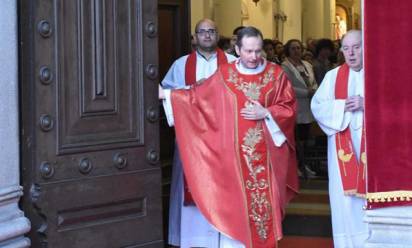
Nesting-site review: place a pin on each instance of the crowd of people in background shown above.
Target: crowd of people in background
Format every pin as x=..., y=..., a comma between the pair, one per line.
x=322, y=54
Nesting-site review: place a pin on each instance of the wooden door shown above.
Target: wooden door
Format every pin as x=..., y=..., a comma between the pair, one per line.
x=174, y=41
x=90, y=133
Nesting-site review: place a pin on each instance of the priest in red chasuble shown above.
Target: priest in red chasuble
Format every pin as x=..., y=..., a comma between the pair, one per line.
x=237, y=145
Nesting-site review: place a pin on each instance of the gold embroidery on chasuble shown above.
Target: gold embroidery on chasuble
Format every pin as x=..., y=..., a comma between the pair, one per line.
x=254, y=159
x=260, y=207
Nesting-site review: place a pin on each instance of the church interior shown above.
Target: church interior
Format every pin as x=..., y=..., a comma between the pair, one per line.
x=308, y=221
x=87, y=152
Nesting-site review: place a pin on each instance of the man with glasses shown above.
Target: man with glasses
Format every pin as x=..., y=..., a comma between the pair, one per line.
x=237, y=146
x=186, y=225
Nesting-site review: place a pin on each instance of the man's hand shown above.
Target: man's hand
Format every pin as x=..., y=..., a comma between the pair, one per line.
x=254, y=111
x=354, y=103
x=161, y=93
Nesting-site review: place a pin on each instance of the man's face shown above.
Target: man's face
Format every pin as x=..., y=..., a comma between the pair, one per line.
x=206, y=36
x=250, y=52
x=352, y=51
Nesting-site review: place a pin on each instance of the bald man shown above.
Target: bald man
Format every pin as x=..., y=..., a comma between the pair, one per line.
x=187, y=227
x=338, y=107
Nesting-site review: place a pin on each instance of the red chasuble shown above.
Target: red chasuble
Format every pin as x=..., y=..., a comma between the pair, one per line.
x=239, y=180
x=190, y=79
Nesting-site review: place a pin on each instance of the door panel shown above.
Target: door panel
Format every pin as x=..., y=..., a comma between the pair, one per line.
x=105, y=111
x=174, y=33
x=90, y=137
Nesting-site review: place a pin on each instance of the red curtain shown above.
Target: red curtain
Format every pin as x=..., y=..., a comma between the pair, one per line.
x=388, y=100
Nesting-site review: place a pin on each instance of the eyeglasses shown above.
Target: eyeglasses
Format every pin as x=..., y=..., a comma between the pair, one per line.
x=203, y=32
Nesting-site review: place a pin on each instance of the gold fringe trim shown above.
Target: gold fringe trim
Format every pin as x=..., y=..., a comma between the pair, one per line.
x=390, y=196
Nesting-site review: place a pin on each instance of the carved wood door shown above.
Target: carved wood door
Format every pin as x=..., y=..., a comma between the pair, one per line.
x=90, y=134
x=174, y=41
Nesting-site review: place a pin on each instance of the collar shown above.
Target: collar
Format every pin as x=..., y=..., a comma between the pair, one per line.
x=199, y=55
x=249, y=71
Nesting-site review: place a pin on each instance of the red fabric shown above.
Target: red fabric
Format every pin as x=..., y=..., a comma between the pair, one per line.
x=210, y=153
x=388, y=92
x=352, y=171
x=190, y=79
x=190, y=67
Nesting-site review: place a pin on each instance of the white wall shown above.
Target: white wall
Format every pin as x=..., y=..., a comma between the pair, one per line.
x=330, y=15
x=357, y=11
x=227, y=14
x=293, y=25
x=313, y=19
x=261, y=16
x=200, y=9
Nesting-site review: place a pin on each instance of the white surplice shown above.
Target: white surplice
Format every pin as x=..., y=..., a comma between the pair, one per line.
x=349, y=228
x=195, y=230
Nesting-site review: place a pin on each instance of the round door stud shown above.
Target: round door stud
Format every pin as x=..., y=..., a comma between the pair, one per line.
x=152, y=156
x=46, y=123
x=151, y=29
x=44, y=28
x=85, y=166
x=46, y=170
x=45, y=75
x=120, y=160
x=152, y=114
x=151, y=71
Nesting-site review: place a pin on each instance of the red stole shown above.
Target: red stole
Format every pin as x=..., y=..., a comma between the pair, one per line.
x=190, y=79
x=352, y=171
x=226, y=191
x=190, y=67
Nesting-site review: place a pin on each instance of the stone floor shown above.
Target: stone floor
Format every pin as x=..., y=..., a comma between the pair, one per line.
x=308, y=220
x=305, y=242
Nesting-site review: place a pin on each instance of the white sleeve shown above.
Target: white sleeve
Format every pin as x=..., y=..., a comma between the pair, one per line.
x=328, y=111
x=230, y=57
x=277, y=135
x=167, y=105
x=175, y=76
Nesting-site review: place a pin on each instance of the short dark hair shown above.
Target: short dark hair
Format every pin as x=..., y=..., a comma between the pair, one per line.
x=288, y=44
x=223, y=43
x=324, y=44
x=237, y=30
x=269, y=42
x=247, y=32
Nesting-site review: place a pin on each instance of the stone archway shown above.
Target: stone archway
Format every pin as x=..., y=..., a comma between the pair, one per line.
x=13, y=224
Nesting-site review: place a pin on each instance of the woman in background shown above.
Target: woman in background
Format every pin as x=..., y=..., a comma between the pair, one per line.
x=300, y=73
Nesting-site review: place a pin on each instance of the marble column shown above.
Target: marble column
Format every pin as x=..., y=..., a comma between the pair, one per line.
x=389, y=227
x=13, y=224
x=292, y=28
